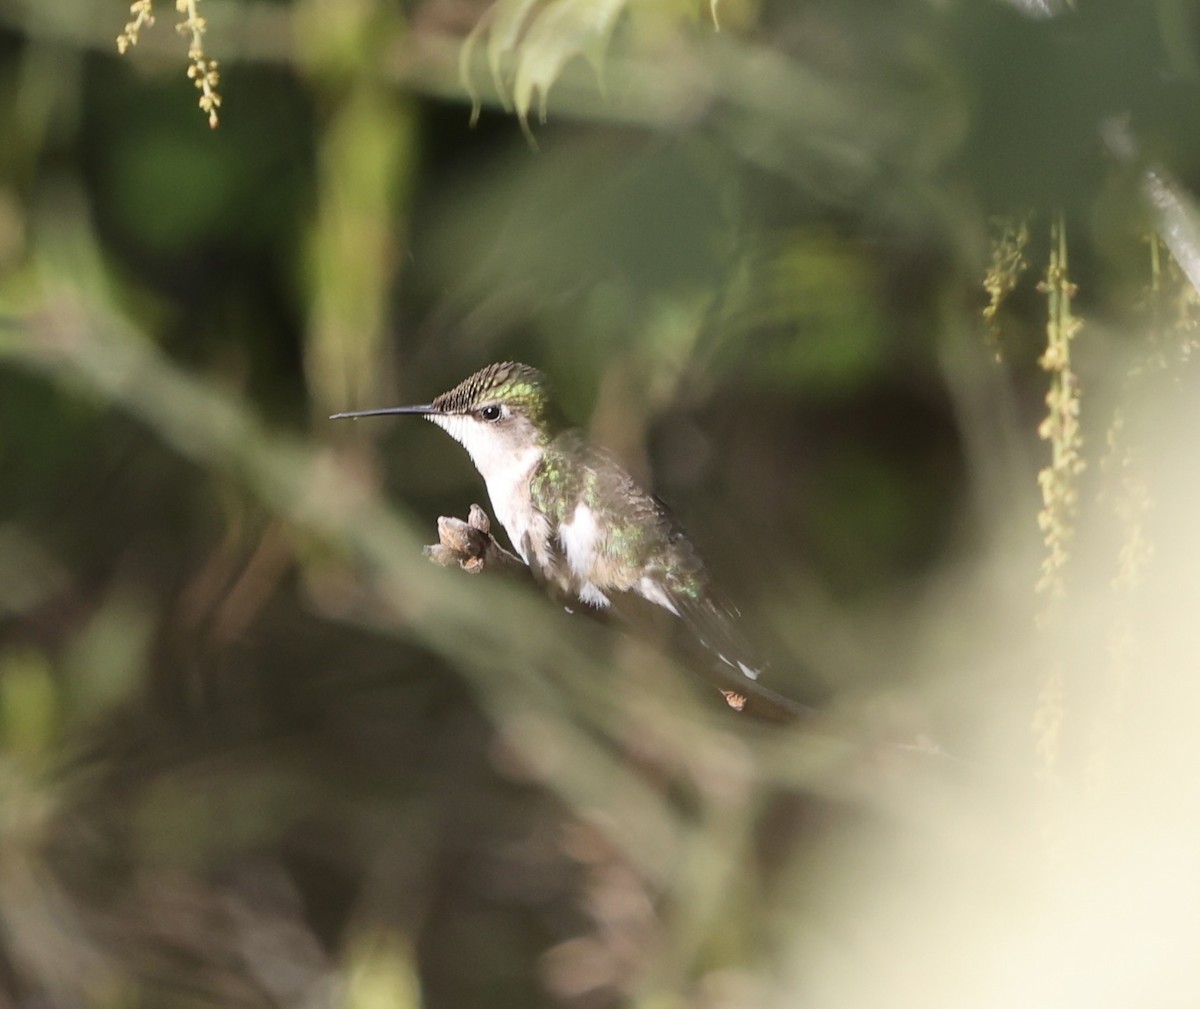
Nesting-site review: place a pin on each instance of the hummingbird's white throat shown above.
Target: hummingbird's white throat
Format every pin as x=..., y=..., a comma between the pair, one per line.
x=505, y=460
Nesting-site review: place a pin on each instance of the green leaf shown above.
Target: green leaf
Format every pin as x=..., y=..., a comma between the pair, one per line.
x=29, y=704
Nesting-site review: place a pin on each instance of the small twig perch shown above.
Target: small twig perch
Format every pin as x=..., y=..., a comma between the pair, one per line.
x=472, y=546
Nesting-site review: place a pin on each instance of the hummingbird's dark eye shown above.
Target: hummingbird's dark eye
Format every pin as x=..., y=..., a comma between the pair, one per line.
x=491, y=412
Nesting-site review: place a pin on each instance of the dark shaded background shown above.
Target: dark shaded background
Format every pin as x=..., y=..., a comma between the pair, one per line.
x=255, y=751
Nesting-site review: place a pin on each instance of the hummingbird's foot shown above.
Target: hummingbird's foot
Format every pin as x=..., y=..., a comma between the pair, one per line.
x=470, y=544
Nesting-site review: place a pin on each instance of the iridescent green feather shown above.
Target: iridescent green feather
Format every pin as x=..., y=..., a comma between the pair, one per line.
x=640, y=535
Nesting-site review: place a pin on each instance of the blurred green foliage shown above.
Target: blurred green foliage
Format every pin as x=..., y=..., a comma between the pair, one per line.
x=256, y=751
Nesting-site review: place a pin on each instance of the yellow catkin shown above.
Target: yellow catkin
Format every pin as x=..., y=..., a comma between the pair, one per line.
x=1058, y=483
x=1172, y=311
x=1003, y=274
x=142, y=12
x=202, y=71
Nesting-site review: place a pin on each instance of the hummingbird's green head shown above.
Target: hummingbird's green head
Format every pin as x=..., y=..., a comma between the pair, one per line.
x=500, y=392
x=500, y=414
x=502, y=411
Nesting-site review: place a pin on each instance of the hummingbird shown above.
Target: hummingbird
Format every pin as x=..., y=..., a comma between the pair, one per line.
x=575, y=516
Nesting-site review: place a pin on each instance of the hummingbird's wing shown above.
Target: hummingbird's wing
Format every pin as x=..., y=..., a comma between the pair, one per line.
x=619, y=549
x=714, y=623
x=613, y=539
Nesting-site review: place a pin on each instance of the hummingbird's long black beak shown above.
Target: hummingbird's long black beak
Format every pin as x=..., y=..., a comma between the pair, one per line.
x=425, y=410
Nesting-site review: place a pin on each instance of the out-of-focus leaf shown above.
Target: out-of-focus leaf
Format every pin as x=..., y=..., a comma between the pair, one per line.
x=29, y=705
x=796, y=304
x=565, y=29
x=189, y=814
x=381, y=973
x=108, y=658
x=172, y=187
x=28, y=574
x=531, y=46
x=505, y=22
x=1178, y=221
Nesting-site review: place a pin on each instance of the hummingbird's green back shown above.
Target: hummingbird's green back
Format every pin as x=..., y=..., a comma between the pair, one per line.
x=638, y=537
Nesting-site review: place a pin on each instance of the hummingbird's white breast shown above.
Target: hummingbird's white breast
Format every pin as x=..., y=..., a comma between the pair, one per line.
x=580, y=541
x=506, y=470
